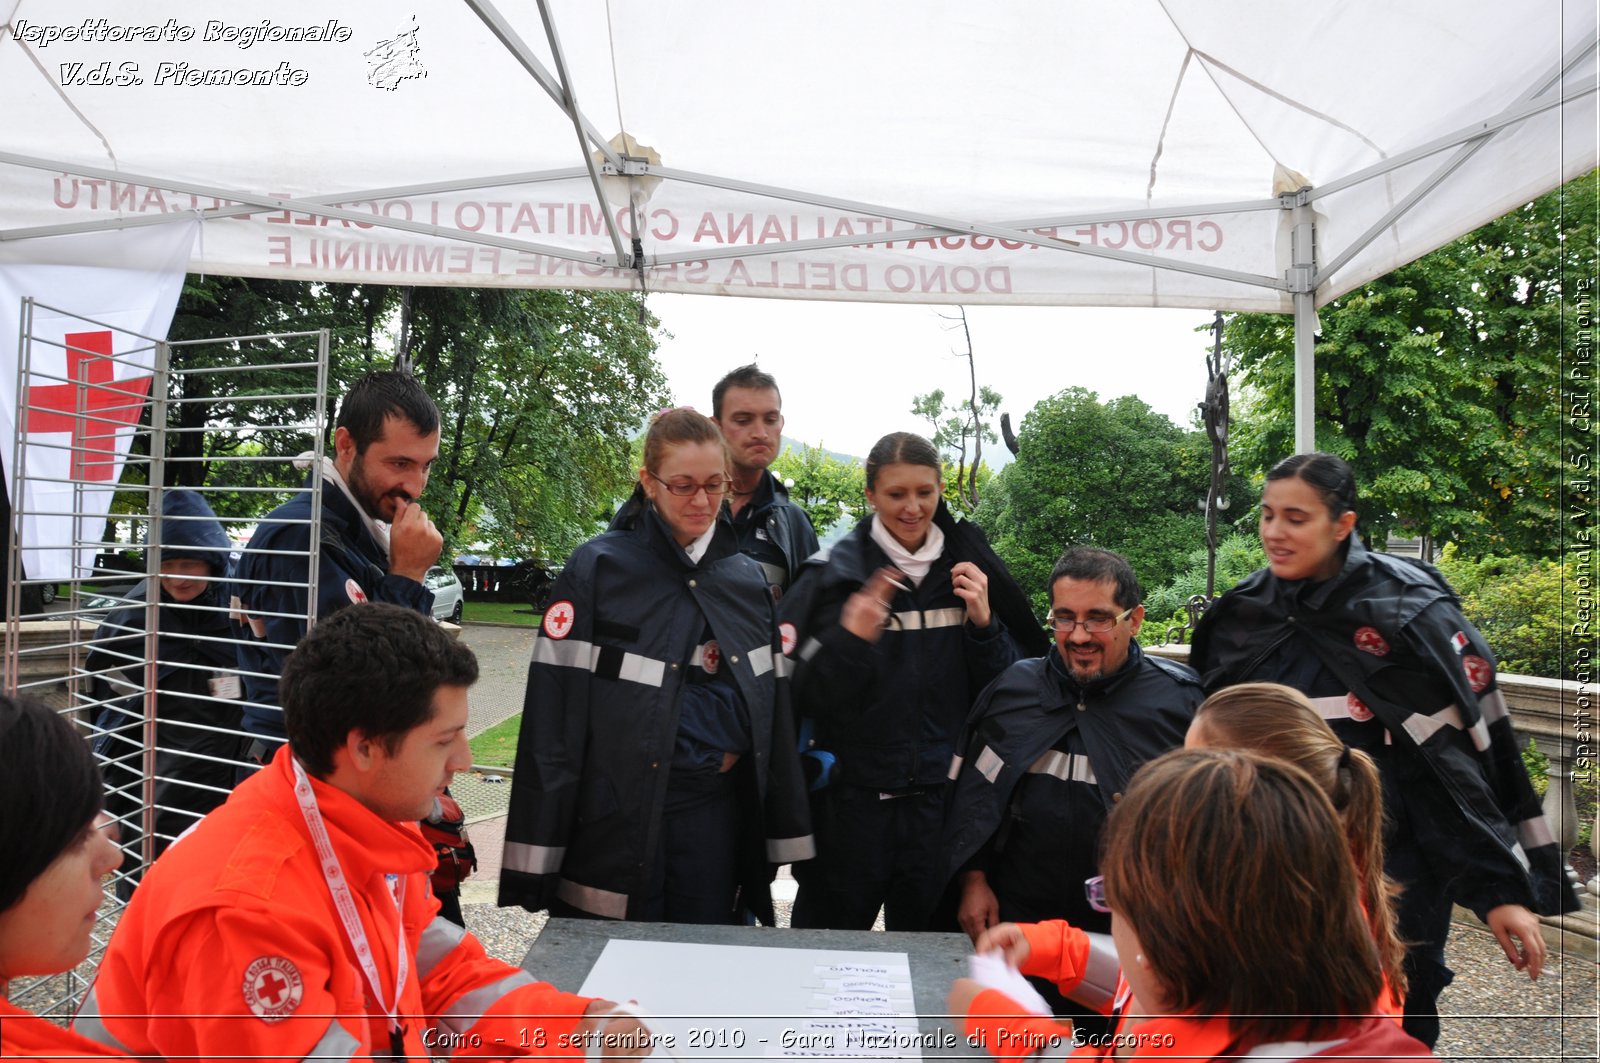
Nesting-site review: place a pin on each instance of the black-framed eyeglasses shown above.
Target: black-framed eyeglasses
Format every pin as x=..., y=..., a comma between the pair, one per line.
x=1094, y=625
x=715, y=489
x=1094, y=891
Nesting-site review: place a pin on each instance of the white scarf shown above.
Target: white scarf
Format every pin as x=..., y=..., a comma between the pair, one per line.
x=330, y=472
x=697, y=549
x=914, y=565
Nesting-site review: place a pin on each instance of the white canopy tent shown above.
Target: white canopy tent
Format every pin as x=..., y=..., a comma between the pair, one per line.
x=1247, y=155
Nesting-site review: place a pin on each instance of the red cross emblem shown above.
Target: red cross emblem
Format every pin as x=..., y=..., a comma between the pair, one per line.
x=1373, y=642
x=273, y=988
x=107, y=405
x=558, y=619
x=1479, y=672
x=711, y=657
x=787, y=637
x=1357, y=708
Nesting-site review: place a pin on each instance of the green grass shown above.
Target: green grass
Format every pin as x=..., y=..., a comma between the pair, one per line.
x=497, y=747
x=501, y=613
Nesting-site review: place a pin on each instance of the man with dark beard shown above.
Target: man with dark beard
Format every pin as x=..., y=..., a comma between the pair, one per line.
x=376, y=542
x=1050, y=746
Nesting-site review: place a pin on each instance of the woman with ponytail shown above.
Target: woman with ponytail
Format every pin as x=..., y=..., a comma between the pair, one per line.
x=1277, y=721
x=657, y=776
x=1234, y=916
x=1270, y=720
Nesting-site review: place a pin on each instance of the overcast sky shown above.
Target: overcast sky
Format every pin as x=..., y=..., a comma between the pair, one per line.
x=849, y=371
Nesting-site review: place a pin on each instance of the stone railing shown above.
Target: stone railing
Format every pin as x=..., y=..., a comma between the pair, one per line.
x=1543, y=710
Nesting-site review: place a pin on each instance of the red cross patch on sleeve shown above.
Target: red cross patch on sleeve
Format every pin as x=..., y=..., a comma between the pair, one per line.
x=1480, y=673
x=558, y=619
x=272, y=988
x=1372, y=641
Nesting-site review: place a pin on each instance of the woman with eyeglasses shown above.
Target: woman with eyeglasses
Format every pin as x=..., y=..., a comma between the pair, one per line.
x=656, y=775
x=1379, y=645
x=895, y=631
x=1267, y=719
x=1236, y=919
x=56, y=859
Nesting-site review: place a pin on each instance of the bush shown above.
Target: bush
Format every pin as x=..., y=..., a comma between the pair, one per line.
x=1516, y=603
x=1238, y=555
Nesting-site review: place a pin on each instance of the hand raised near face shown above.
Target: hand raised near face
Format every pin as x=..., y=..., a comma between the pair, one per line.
x=414, y=543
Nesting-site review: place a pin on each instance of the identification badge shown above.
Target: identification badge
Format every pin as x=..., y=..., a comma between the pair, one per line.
x=227, y=686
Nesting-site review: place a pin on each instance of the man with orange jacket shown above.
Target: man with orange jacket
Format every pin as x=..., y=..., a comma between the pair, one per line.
x=296, y=921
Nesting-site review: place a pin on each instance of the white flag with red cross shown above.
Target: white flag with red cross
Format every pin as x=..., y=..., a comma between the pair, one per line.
x=90, y=374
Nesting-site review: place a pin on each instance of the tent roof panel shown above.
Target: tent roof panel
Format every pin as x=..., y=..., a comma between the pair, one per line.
x=973, y=116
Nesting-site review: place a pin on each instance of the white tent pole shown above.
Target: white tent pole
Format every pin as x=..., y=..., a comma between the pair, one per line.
x=1468, y=149
x=1305, y=373
x=569, y=103
x=1408, y=201
x=553, y=87
x=1527, y=107
x=560, y=89
x=1301, y=281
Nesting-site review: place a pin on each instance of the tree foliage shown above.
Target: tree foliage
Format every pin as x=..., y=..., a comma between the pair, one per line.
x=829, y=490
x=1116, y=475
x=1238, y=554
x=956, y=428
x=1440, y=382
x=538, y=393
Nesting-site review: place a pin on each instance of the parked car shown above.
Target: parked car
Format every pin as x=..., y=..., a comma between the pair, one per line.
x=447, y=594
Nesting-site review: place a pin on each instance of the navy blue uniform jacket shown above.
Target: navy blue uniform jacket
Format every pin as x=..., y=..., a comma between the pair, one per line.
x=1392, y=631
x=271, y=591
x=1126, y=718
x=890, y=711
x=600, y=718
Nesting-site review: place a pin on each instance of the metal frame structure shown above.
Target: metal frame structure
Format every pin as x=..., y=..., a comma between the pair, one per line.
x=129, y=745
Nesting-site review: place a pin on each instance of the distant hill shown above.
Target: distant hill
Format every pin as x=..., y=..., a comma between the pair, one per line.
x=786, y=442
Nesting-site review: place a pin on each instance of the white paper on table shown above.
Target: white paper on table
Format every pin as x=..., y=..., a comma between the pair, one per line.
x=742, y=1001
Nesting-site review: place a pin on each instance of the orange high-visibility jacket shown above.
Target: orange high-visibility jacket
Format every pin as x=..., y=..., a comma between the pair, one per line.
x=1062, y=953
x=25, y=1036
x=232, y=947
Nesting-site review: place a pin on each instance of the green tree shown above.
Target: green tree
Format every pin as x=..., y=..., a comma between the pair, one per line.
x=829, y=490
x=538, y=393
x=1440, y=382
x=1239, y=553
x=1117, y=475
x=956, y=427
